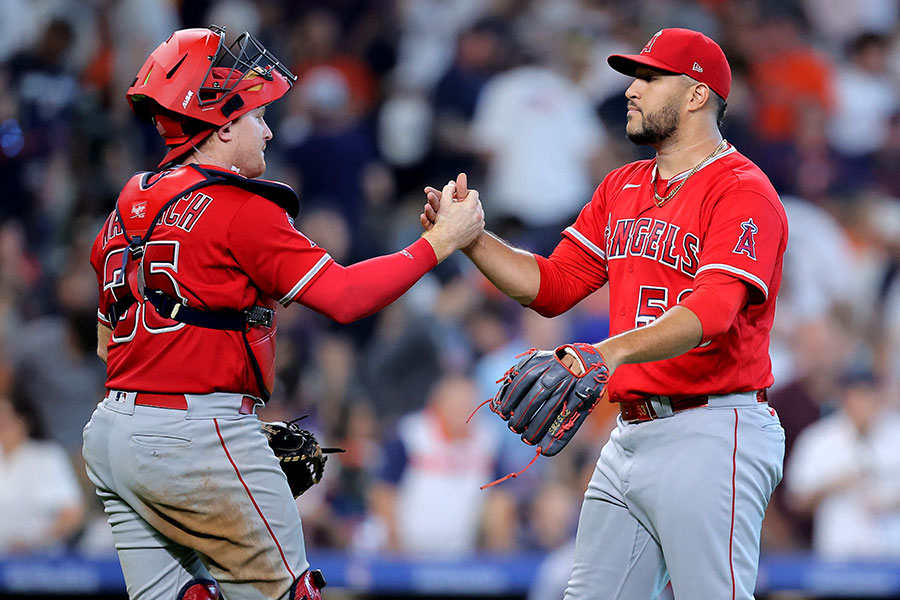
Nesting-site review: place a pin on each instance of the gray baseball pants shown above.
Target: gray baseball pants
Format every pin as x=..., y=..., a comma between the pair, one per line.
x=194, y=494
x=680, y=498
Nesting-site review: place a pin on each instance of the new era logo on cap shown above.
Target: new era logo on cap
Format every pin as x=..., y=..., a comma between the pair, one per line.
x=682, y=51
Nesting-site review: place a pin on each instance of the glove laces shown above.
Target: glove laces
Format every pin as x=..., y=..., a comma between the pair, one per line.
x=513, y=475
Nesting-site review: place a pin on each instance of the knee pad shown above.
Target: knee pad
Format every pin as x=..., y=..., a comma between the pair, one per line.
x=199, y=589
x=308, y=586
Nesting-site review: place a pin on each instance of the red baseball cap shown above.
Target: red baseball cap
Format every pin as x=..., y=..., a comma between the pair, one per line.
x=682, y=51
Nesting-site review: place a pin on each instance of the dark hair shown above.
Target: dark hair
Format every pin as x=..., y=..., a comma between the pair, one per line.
x=864, y=41
x=721, y=108
x=859, y=376
x=26, y=410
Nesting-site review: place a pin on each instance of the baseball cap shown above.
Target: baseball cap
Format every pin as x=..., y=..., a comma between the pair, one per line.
x=682, y=51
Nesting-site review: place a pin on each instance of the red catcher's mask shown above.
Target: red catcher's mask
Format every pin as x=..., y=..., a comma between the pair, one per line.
x=193, y=84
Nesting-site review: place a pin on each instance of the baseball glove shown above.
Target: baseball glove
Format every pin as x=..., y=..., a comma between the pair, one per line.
x=545, y=401
x=298, y=452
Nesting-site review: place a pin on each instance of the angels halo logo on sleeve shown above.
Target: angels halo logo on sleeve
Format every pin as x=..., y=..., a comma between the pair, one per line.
x=746, y=243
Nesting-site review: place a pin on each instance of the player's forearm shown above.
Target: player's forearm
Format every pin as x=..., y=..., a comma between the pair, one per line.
x=513, y=271
x=104, y=334
x=673, y=334
x=383, y=504
x=67, y=522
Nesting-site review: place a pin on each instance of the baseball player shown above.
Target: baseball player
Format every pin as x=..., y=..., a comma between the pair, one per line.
x=190, y=266
x=691, y=245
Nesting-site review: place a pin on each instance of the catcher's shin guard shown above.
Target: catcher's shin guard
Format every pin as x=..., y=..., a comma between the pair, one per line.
x=199, y=589
x=308, y=586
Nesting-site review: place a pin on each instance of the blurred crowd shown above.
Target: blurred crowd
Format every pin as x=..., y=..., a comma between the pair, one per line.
x=396, y=95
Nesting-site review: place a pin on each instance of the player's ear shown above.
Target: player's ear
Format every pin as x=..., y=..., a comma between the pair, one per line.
x=225, y=133
x=698, y=96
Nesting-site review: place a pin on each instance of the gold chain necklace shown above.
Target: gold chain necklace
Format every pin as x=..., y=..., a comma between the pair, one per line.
x=659, y=199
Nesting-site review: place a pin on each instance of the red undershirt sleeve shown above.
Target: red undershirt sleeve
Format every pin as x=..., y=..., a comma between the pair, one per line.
x=568, y=276
x=346, y=294
x=716, y=299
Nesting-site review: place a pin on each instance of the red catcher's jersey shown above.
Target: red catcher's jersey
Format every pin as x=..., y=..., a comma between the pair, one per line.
x=218, y=248
x=727, y=218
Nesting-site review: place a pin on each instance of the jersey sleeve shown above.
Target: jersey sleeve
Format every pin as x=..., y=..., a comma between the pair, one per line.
x=577, y=266
x=589, y=229
x=568, y=276
x=747, y=232
x=104, y=271
x=280, y=260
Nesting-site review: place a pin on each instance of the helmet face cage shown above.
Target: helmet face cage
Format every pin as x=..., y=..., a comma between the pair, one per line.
x=246, y=54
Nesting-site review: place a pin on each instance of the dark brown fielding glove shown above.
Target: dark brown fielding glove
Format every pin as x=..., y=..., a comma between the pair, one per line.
x=298, y=452
x=546, y=402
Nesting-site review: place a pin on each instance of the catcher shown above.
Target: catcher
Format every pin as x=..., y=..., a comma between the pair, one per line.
x=190, y=267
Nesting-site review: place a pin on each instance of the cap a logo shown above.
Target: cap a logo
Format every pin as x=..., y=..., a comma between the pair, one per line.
x=649, y=45
x=747, y=244
x=139, y=209
x=697, y=68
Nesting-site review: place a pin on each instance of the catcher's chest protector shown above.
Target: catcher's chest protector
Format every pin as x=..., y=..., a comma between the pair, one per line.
x=174, y=199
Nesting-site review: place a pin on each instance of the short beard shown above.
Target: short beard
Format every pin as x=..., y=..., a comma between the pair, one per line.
x=656, y=127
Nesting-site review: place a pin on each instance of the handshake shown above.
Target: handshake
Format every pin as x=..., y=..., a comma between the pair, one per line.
x=452, y=218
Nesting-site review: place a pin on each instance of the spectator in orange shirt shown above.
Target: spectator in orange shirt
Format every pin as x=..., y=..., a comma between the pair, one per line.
x=787, y=78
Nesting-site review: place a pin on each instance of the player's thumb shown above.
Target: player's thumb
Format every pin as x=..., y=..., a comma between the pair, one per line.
x=462, y=186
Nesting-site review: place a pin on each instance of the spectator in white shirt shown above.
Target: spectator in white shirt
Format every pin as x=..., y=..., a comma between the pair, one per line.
x=40, y=499
x=845, y=471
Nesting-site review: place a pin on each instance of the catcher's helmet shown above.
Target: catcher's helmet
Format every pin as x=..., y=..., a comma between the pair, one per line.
x=192, y=83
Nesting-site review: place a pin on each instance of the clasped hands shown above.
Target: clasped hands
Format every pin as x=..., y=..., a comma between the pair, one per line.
x=458, y=193
x=453, y=217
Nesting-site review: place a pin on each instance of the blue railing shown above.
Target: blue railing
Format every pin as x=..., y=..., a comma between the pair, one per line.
x=483, y=575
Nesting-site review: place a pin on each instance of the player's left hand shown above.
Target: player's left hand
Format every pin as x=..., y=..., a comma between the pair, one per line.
x=298, y=451
x=433, y=204
x=546, y=396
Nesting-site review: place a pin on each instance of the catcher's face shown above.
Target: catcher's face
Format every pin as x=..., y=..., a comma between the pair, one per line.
x=250, y=134
x=655, y=101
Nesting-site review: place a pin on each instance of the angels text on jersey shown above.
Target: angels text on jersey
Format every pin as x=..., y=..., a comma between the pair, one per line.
x=654, y=239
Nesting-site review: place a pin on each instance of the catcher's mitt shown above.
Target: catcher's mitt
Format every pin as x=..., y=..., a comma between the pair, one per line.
x=546, y=402
x=298, y=452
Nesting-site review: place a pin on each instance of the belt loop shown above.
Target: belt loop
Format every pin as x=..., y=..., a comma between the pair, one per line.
x=249, y=404
x=662, y=406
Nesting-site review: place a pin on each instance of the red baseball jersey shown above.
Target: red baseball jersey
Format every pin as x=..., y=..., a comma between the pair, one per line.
x=727, y=218
x=218, y=248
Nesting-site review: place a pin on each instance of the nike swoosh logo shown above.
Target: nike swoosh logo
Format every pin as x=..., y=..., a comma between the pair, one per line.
x=630, y=185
